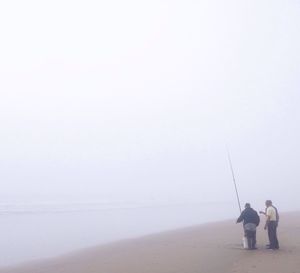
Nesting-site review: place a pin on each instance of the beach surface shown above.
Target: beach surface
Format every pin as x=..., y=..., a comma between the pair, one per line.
x=208, y=248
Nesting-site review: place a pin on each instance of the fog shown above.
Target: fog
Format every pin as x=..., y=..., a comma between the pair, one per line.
x=138, y=100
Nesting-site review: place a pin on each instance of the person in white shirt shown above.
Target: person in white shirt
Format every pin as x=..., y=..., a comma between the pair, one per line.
x=272, y=218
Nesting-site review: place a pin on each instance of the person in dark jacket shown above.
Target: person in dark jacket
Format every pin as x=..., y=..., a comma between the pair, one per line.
x=250, y=220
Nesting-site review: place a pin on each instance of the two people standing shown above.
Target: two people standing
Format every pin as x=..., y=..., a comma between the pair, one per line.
x=251, y=220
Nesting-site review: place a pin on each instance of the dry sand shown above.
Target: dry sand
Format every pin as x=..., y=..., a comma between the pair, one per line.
x=209, y=248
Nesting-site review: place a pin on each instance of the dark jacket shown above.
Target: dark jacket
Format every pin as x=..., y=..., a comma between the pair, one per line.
x=249, y=215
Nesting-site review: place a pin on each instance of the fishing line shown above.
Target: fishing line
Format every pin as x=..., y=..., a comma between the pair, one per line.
x=234, y=182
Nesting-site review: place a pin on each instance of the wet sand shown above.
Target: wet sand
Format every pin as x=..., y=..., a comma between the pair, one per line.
x=209, y=248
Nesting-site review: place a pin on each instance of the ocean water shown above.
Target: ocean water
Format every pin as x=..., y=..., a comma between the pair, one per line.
x=42, y=230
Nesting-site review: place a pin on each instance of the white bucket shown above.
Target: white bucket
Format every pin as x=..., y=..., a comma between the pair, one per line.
x=245, y=242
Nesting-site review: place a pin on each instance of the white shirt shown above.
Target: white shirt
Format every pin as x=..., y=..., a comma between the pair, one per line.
x=271, y=213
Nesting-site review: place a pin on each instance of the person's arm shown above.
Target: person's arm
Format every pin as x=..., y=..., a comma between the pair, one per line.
x=277, y=214
x=267, y=219
x=257, y=220
x=241, y=218
x=267, y=222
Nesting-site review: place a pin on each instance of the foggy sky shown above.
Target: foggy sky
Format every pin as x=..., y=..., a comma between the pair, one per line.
x=138, y=99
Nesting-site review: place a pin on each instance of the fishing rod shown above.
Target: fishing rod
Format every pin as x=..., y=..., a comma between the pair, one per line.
x=234, y=182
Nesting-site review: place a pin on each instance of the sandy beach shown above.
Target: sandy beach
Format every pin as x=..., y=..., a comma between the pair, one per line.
x=209, y=248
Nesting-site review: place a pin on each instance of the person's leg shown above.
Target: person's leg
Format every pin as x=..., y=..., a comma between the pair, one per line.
x=254, y=239
x=276, y=244
x=269, y=235
x=247, y=234
x=272, y=234
x=251, y=239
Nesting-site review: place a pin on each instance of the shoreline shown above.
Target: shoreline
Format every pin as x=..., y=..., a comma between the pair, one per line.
x=28, y=237
x=209, y=248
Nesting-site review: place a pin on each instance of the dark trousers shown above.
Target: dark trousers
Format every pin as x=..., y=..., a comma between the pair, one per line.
x=272, y=233
x=251, y=238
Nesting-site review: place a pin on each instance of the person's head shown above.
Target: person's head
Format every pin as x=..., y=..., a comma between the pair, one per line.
x=247, y=205
x=268, y=203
